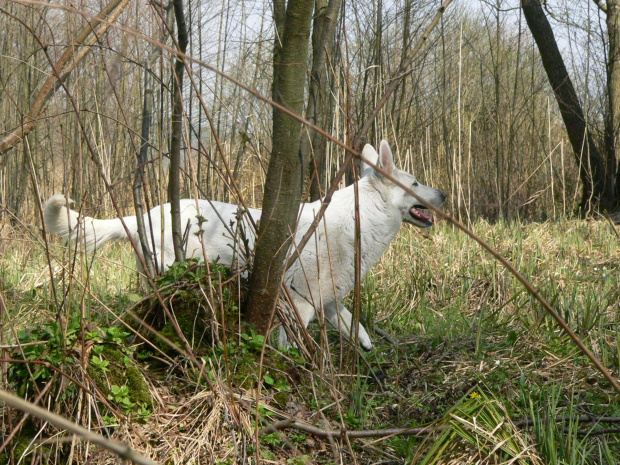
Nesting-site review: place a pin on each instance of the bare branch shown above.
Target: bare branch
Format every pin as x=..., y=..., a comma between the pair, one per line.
x=418, y=431
x=400, y=73
x=79, y=48
x=362, y=132
x=601, y=6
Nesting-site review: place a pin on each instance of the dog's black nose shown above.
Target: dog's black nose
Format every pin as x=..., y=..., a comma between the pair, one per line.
x=443, y=195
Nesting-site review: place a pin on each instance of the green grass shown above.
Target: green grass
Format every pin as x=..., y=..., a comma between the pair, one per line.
x=468, y=321
x=471, y=343
x=445, y=284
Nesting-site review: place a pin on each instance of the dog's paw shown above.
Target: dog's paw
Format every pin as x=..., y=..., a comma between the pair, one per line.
x=366, y=343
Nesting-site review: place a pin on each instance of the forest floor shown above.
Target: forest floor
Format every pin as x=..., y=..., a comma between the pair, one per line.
x=462, y=353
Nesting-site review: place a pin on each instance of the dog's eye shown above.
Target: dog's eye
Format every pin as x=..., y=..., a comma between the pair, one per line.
x=415, y=184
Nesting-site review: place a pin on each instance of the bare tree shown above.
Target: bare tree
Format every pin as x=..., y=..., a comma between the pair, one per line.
x=591, y=163
x=285, y=174
x=176, y=136
x=611, y=9
x=147, y=108
x=313, y=146
x=73, y=54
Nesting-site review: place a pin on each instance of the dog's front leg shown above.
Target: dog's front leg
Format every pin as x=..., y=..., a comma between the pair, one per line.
x=305, y=316
x=341, y=318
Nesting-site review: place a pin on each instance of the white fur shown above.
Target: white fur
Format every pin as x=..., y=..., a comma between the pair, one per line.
x=325, y=272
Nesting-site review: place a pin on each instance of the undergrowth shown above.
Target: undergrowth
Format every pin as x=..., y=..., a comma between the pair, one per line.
x=471, y=354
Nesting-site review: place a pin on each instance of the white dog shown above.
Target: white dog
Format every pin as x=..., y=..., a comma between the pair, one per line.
x=325, y=271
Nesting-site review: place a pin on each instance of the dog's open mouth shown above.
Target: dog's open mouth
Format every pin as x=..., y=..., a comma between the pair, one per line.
x=417, y=214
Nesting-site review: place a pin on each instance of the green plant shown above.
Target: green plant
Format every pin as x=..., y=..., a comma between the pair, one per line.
x=560, y=436
x=298, y=438
x=49, y=343
x=404, y=446
x=479, y=427
x=110, y=420
x=120, y=395
x=225, y=462
x=99, y=363
x=272, y=439
x=299, y=460
x=252, y=342
x=191, y=270
x=143, y=413
x=116, y=334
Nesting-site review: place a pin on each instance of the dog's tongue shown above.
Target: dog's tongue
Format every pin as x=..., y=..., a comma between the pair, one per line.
x=417, y=214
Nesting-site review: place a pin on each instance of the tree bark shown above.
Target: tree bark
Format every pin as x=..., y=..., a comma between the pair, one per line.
x=284, y=176
x=587, y=154
x=313, y=145
x=139, y=175
x=612, y=129
x=176, y=137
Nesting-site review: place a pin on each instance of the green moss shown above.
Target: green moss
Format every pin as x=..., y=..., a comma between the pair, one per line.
x=122, y=370
x=191, y=314
x=244, y=370
x=281, y=399
x=18, y=449
x=183, y=289
x=20, y=444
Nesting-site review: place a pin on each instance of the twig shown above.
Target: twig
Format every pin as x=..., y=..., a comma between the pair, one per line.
x=118, y=448
x=384, y=335
x=581, y=419
x=50, y=366
x=422, y=430
x=188, y=352
x=602, y=6
x=81, y=45
x=325, y=433
x=353, y=151
x=598, y=432
x=400, y=73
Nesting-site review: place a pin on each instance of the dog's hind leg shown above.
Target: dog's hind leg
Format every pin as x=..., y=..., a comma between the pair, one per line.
x=341, y=318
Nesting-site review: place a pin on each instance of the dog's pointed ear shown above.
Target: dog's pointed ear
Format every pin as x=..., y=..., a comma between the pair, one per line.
x=368, y=153
x=386, y=160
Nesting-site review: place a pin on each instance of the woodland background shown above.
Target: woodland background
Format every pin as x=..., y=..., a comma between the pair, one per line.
x=474, y=114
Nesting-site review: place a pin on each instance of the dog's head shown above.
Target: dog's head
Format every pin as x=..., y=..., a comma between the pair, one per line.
x=411, y=209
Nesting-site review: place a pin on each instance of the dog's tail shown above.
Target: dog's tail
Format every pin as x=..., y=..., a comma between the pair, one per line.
x=90, y=233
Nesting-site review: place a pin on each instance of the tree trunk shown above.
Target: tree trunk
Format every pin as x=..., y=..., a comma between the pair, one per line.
x=176, y=137
x=612, y=128
x=140, y=175
x=284, y=176
x=313, y=146
x=589, y=158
